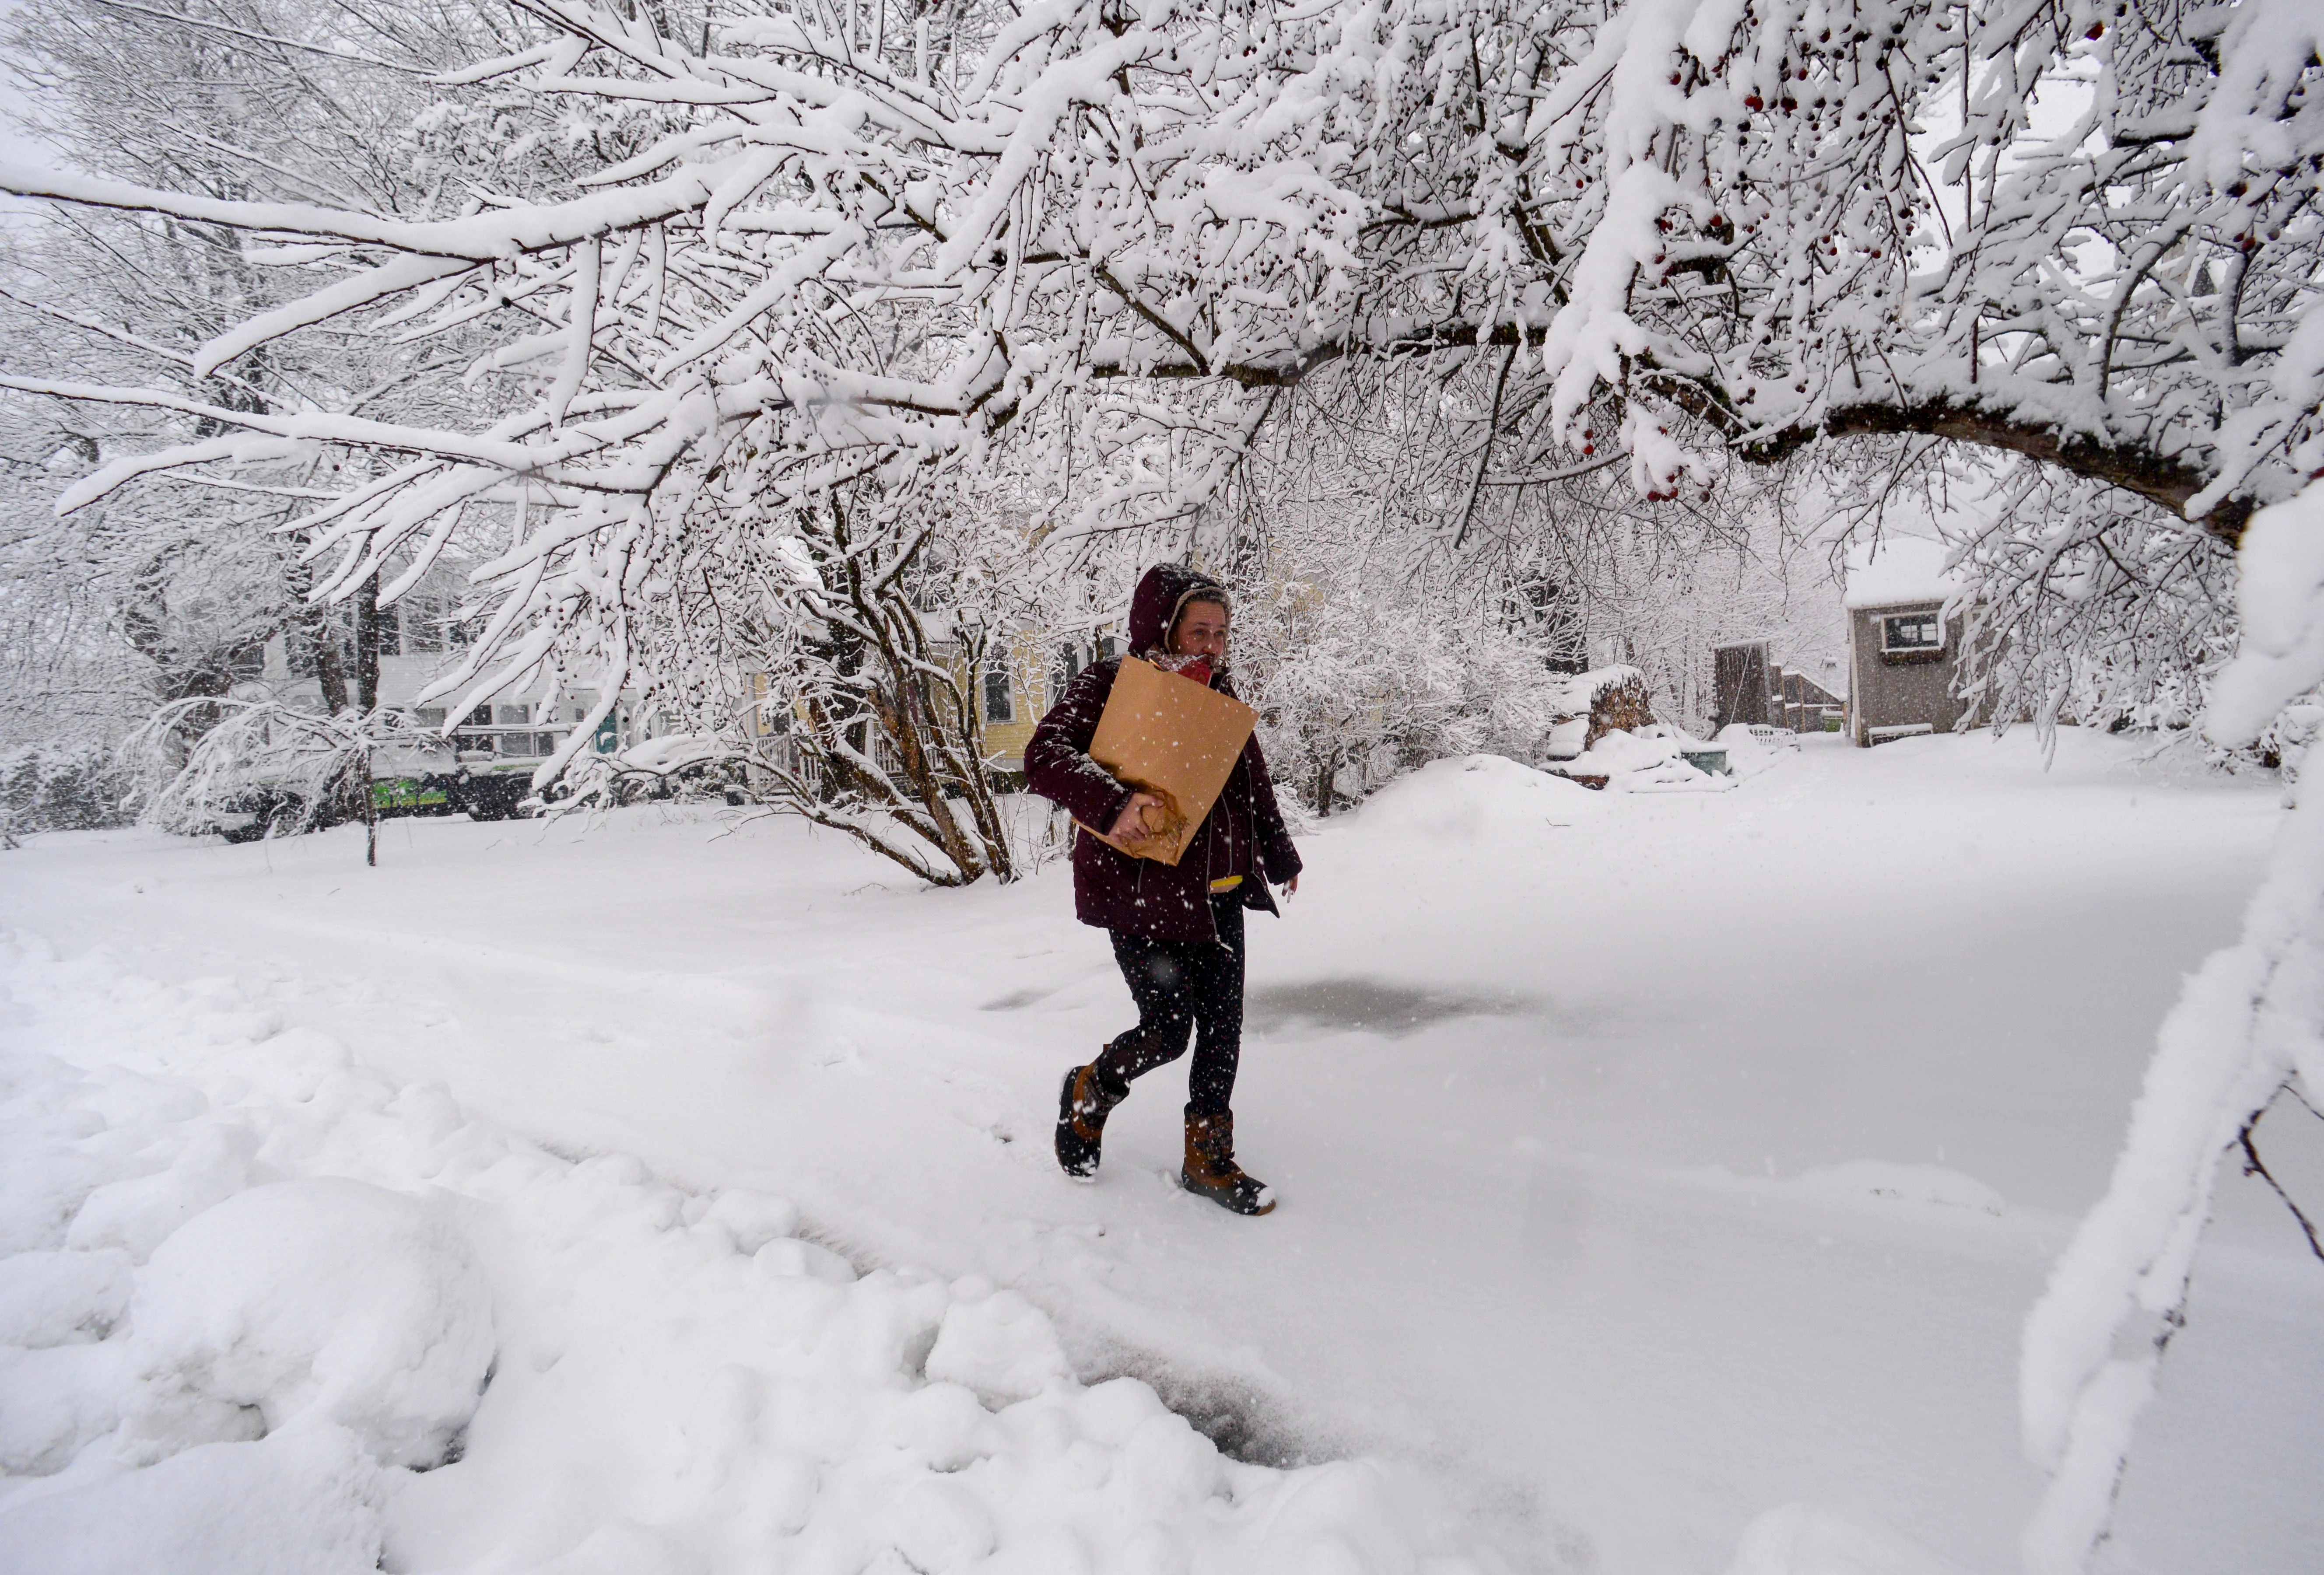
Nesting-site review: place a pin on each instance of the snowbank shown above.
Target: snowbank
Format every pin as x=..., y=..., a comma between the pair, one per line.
x=1644, y=762
x=1802, y=1539
x=325, y=1298
x=1607, y=1063
x=1473, y=799
x=300, y=1503
x=605, y=1373
x=1913, y=1183
x=1747, y=754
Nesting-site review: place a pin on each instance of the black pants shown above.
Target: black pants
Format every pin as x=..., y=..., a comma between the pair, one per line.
x=1184, y=987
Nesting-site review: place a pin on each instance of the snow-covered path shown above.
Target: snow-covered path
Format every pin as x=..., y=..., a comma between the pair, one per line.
x=1649, y=1164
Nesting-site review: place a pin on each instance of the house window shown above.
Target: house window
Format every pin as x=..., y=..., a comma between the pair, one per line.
x=429, y=716
x=482, y=716
x=513, y=716
x=1912, y=631
x=1000, y=700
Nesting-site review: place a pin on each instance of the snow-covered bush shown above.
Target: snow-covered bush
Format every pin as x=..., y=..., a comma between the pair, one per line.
x=1362, y=674
x=261, y=768
x=48, y=787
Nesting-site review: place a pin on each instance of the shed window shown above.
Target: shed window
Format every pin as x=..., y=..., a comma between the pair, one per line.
x=1912, y=631
x=1000, y=700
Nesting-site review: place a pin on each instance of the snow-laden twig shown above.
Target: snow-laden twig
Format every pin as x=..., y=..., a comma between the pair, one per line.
x=2251, y=1016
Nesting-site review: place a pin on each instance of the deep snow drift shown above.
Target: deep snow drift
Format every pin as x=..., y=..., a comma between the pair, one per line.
x=1666, y=1179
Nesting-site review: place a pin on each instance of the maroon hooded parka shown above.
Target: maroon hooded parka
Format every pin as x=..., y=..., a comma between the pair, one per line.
x=1143, y=897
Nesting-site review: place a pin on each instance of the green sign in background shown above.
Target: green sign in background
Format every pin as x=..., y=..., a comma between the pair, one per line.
x=403, y=793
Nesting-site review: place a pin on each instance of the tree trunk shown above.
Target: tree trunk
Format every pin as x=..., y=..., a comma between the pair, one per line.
x=367, y=607
x=331, y=668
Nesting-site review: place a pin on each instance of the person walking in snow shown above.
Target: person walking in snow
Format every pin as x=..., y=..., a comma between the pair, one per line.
x=1178, y=929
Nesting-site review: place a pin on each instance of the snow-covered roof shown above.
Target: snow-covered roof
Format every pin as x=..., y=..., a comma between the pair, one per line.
x=1899, y=569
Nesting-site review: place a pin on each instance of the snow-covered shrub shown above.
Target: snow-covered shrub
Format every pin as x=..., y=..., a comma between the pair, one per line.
x=49, y=787
x=1353, y=701
x=1363, y=665
x=687, y=767
x=263, y=768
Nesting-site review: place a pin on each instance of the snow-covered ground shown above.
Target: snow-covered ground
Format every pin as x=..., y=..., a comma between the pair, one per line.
x=1665, y=1181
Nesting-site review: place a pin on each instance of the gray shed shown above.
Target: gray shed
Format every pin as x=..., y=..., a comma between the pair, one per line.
x=1902, y=652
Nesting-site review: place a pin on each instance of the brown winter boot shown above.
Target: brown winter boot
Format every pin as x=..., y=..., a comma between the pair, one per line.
x=1081, y=1107
x=1212, y=1172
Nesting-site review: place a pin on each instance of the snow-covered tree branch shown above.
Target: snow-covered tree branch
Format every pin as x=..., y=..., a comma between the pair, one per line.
x=831, y=247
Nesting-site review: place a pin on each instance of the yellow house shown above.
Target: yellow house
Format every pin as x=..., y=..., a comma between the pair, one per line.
x=1021, y=680
x=1022, y=677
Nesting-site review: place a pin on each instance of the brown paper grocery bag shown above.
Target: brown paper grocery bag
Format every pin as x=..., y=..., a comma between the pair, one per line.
x=1173, y=738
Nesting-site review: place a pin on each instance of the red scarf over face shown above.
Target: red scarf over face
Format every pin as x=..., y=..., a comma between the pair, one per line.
x=1197, y=667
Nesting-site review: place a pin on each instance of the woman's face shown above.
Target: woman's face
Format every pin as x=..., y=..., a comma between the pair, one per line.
x=1202, y=630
